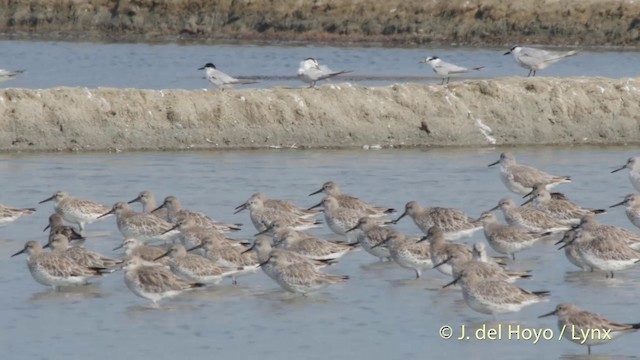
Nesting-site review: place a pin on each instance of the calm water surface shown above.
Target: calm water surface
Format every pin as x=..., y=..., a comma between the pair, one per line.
x=380, y=313
x=52, y=64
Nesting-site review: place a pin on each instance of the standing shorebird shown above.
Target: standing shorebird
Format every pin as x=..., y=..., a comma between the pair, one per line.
x=370, y=235
x=350, y=202
x=148, y=201
x=408, y=252
x=142, y=226
x=631, y=204
x=57, y=226
x=10, y=214
x=338, y=218
x=536, y=59
x=529, y=218
x=520, y=179
x=54, y=269
x=299, y=277
x=153, y=282
x=81, y=256
x=177, y=213
x=195, y=268
x=508, y=239
x=444, y=69
x=311, y=72
x=563, y=210
x=148, y=254
x=490, y=296
x=595, y=329
x=633, y=164
x=75, y=210
x=220, y=79
x=454, y=223
x=263, y=217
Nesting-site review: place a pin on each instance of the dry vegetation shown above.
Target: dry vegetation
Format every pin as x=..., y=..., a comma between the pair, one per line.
x=480, y=22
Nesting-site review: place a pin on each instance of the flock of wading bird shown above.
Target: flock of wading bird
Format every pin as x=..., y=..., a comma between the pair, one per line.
x=195, y=252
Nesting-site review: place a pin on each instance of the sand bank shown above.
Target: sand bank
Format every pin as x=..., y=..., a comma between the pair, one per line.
x=476, y=112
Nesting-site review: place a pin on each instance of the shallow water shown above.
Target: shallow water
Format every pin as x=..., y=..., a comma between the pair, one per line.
x=161, y=66
x=380, y=313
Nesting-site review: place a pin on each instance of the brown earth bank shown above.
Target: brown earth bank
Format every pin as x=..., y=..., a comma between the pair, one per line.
x=468, y=22
x=508, y=111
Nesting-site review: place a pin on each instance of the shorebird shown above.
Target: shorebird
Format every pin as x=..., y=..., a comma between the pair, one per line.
x=195, y=268
x=311, y=72
x=480, y=265
x=408, y=252
x=631, y=204
x=191, y=234
x=490, y=296
x=263, y=249
x=444, y=69
x=350, y=202
x=520, y=179
x=282, y=206
x=339, y=219
x=220, y=79
x=370, y=235
x=148, y=254
x=536, y=59
x=586, y=328
x=590, y=223
x=81, y=256
x=606, y=254
x=529, y=218
x=10, y=214
x=311, y=246
x=75, y=210
x=153, y=282
x=441, y=250
x=229, y=256
x=53, y=269
x=299, y=277
x=9, y=74
x=571, y=250
x=142, y=226
x=177, y=213
x=508, y=239
x=57, y=226
x=262, y=216
x=634, y=171
x=148, y=202
x=564, y=211
x=454, y=223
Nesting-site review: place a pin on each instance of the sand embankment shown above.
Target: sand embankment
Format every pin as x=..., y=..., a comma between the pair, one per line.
x=479, y=112
x=477, y=22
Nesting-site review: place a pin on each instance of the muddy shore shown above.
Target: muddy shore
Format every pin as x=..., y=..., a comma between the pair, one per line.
x=462, y=22
x=505, y=111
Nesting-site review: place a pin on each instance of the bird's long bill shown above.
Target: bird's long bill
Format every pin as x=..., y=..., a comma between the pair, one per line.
x=453, y=282
x=171, y=229
x=548, y=314
x=315, y=206
x=442, y=262
x=400, y=217
x=269, y=228
x=497, y=162
x=353, y=228
x=118, y=247
x=161, y=256
x=528, y=201
x=158, y=208
x=48, y=244
x=196, y=247
x=18, y=253
x=623, y=202
x=507, y=53
x=240, y=208
x=528, y=194
x=494, y=208
x=616, y=170
x=316, y=192
x=249, y=248
x=107, y=213
x=566, y=243
x=134, y=200
x=264, y=262
x=424, y=238
x=46, y=227
x=47, y=199
x=380, y=243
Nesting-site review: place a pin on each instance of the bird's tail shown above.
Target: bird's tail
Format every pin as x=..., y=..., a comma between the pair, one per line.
x=478, y=68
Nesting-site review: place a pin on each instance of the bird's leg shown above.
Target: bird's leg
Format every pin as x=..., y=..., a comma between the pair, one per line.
x=448, y=80
x=513, y=256
x=534, y=73
x=530, y=71
x=442, y=83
